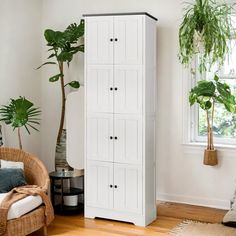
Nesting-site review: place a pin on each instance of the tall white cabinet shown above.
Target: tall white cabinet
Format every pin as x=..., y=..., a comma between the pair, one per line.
x=120, y=95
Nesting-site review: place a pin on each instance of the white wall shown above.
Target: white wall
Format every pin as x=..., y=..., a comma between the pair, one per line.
x=181, y=176
x=20, y=53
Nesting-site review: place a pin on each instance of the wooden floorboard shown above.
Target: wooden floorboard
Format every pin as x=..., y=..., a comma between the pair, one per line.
x=169, y=216
x=185, y=211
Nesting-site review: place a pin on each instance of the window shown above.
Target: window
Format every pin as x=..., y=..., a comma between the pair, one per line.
x=224, y=122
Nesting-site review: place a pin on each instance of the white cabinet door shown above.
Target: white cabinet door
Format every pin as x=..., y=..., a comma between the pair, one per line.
x=128, y=36
x=128, y=139
x=128, y=188
x=128, y=89
x=99, y=177
x=99, y=146
x=99, y=47
x=99, y=83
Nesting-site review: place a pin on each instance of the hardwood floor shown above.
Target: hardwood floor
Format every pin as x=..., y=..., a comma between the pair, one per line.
x=169, y=216
x=184, y=211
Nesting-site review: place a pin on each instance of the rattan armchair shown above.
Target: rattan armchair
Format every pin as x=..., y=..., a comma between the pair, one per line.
x=35, y=174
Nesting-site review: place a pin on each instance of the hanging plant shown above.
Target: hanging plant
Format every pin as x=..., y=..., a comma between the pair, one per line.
x=205, y=29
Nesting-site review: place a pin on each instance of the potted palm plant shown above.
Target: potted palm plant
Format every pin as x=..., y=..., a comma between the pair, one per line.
x=63, y=45
x=204, y=34
x=20, y=113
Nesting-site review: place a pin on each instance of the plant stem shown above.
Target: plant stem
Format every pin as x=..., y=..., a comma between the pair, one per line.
x=19, y=138
x=63, y=102
x=208, y=131
x=212, y=119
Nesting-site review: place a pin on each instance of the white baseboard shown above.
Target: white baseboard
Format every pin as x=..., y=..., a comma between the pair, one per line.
x=206, y=202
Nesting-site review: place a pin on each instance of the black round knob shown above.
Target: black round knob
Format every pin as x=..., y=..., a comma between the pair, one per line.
x=110, y=186
x=116, y=88
x=115, y=137
x=111, y=88
x=111, y=40
x=111, y=137
x=115, y=186
x=116, y=39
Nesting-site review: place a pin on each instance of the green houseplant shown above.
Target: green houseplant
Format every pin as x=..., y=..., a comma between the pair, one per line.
x=205, y=29
x=204, y=33
x=63, y=45
x=206, y=94
x=20, y=113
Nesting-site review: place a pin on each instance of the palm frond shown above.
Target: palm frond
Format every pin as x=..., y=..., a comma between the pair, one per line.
x=20, y=113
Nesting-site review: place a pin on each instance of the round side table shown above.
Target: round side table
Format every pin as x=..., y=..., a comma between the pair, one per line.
x=58, y=189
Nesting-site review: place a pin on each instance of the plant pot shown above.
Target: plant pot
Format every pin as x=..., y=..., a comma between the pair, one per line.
x=210, y=157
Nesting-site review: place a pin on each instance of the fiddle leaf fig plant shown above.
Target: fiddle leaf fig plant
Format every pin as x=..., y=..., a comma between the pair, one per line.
x=205, y=29
x=207, y=94
x=20, y=113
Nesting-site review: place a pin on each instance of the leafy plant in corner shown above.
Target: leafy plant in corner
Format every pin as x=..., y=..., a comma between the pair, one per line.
x=63, y=45
x=20, y=113
x=205, y=29
x=206, y=94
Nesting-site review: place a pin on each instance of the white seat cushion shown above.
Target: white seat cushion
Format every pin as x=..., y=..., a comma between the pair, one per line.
x=12, y=164
x=22, y=206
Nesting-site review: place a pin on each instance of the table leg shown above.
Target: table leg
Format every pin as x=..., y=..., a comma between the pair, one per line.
x=52, y=192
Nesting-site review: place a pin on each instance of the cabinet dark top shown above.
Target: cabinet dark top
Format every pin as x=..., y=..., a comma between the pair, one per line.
x=121, y=14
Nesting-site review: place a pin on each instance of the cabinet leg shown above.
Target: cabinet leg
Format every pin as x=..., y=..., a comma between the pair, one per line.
x=92, y=217
x=141, y=223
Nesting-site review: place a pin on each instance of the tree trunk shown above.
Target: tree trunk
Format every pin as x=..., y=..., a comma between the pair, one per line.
x=60, y=155
x=212, y=120
x=19, y=138
x=63, y=102
x=208, y=132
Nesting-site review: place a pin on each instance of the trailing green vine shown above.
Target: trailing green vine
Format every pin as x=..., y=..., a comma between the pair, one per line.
x=205, y=29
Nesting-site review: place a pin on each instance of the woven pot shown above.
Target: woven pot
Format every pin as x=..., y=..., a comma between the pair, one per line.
x=210, y=157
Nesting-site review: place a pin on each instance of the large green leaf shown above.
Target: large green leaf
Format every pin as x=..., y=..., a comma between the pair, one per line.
x=49, y=35
x=54, y=38
x=65, y=56
x=205, y=105
x=46, y=63
x=204, y=88
x=79, y=48
x=74, y=84
x=207, y=92
x=73, y=32
x=55, y=78
x=19, y=113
